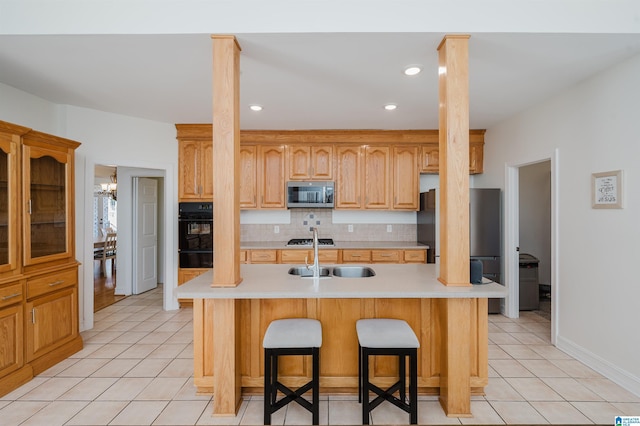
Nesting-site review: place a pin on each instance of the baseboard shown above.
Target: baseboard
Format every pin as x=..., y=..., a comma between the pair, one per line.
x=602, y=366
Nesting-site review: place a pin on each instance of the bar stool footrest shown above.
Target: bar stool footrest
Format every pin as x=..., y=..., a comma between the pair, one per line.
x=293, y=395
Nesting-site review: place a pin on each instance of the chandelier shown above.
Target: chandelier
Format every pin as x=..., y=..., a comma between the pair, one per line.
x=110, y=189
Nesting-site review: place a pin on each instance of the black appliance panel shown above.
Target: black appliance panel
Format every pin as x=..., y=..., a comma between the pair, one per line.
x=195, y=259
x=195, y=235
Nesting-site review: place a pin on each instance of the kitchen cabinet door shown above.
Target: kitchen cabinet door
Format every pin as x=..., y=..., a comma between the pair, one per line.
x=322, y=162
x=48, y=196
x=52, y=321
x=415, y=256
x=310, y=162
x=195, y=170
x=263, y=256
x=406, y=178
x=299, y=162
x=248, y=177
x=11, y=344
x=356, y=256
x=348, y=193
x=9, y=189
x=377, y=177
x=272, y=172
x=296, y=256
x=386, y=256
x=429, y=158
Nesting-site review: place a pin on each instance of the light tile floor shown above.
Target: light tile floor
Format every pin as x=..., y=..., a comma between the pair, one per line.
x=137, y=362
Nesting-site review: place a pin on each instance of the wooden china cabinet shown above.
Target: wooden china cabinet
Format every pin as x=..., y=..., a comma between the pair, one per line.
x=38, y=270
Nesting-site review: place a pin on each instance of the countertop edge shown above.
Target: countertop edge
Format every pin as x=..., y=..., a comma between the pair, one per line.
x=391, y=281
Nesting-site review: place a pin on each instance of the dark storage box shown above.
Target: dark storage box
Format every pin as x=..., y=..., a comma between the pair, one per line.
x=529, y=283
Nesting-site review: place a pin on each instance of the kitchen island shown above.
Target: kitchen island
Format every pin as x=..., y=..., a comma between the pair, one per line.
x=406, y=291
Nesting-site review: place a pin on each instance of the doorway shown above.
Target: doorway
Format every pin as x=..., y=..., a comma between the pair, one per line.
x=125, y=206
x=513, y=224
x=105, y=226
x=145, y=242
x=535, y=238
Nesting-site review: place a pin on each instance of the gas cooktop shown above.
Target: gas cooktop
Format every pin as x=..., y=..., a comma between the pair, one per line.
x=309, y=242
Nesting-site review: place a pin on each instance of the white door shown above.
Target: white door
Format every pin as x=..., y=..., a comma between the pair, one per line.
x=145, y=242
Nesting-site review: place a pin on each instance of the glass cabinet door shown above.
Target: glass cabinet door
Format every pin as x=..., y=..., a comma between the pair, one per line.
x=47, y=223
x=8, y=203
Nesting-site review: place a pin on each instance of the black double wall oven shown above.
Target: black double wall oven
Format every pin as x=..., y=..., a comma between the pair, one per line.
x=195, y=235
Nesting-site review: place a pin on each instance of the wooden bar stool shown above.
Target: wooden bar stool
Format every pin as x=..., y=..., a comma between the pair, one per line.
x=292, y=336
x=381, y=336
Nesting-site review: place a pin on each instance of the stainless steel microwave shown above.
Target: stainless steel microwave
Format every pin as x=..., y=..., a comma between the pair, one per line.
x=310, y=194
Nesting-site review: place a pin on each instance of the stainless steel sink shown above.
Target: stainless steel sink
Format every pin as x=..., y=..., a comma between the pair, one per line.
x=353, y=271
x=305, y=272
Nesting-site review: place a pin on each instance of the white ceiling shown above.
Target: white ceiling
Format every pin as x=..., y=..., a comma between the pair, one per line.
x=304, y=80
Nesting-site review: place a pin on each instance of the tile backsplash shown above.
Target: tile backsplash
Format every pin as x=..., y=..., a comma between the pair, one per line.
x=303, y=220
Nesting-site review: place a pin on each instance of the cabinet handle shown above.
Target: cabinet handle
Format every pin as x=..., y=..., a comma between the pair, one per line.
x=356, y=255
x=55, y=283
x=33, y=316
x=385, y=255
x=29, y=208
x=11, y=296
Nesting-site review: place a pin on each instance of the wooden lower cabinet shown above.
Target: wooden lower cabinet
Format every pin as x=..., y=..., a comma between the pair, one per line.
x=356, y=256
x=186, y=274
x=263, y=256
x=332, y=256
x=302, y=256
x=339, y=352
x=52, y=321
x=386, y=256
x=51, y=317
x=415, y=256
x=11, y=343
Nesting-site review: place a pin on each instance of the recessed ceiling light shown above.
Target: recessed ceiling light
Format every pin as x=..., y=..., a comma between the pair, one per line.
x=390, y=107
x=255, y=107
x=412, y=70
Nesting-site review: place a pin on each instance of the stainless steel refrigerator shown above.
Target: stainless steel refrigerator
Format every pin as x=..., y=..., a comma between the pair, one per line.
x=484, y=231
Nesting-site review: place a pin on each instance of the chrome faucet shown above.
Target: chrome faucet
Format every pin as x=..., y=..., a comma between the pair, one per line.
x=315, y=268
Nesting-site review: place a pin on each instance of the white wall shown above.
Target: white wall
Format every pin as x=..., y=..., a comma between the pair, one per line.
x=26, y=110
x=594, y=127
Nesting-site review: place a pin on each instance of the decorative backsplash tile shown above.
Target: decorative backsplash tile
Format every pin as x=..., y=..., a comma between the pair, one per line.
x=302, y=221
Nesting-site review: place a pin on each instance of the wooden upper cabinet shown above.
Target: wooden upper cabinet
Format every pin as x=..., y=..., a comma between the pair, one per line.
x=429, y=158
x=47, y=164
x=248, y=177
x=271, y=171
x=476, y=157
x=299, y=162
x=310, y=162
x=406, y=178
x=195, y=170
x=377, y=177
x=9, y=190
x=348, y=191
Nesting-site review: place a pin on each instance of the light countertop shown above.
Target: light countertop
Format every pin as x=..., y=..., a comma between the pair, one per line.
x=363, y=245
x=391, y=281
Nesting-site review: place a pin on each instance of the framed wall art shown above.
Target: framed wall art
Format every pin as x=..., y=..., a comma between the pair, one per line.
x=606, y=190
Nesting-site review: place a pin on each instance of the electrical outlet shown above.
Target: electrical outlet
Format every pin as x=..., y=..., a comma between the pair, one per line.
x=350, y=228
x=276, y=229
x=389, y=228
